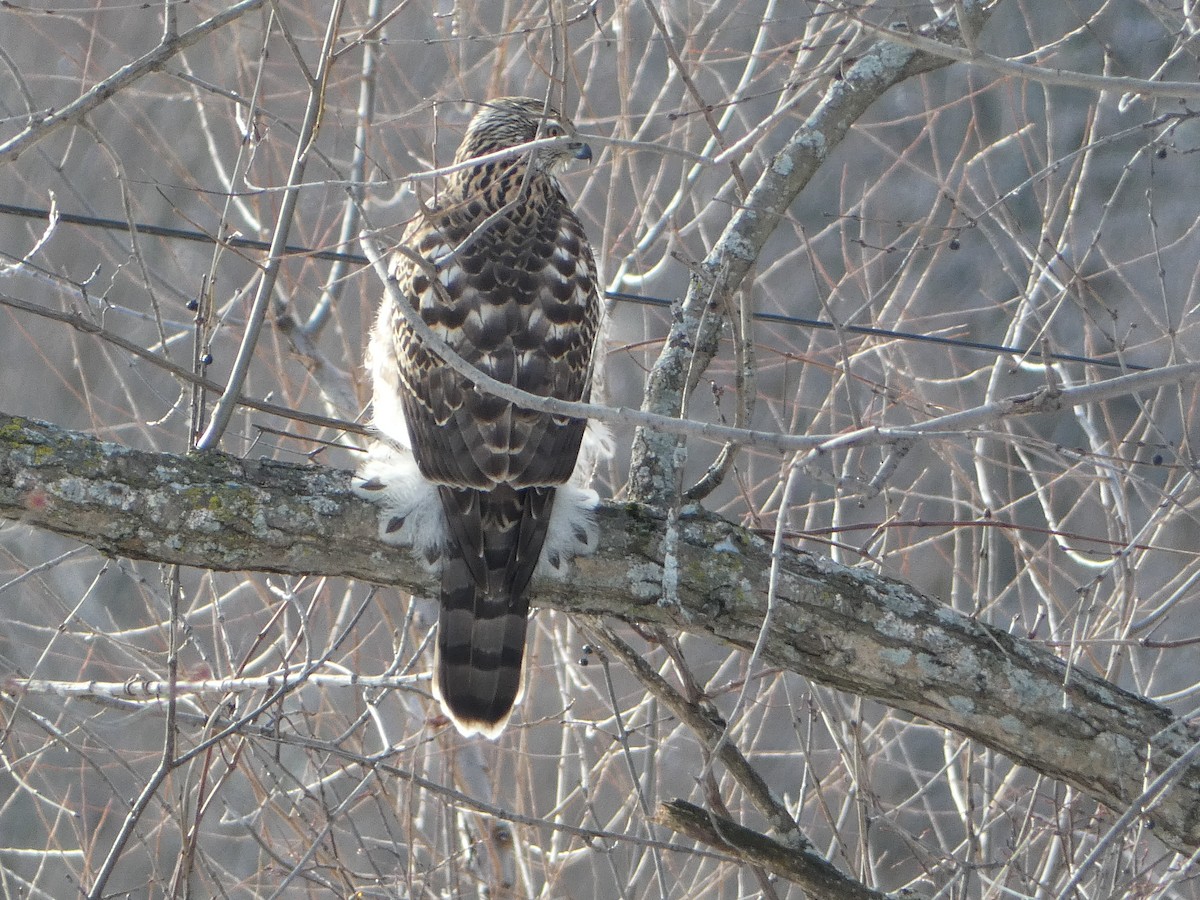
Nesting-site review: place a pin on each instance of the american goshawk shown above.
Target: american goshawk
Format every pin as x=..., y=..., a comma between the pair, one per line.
x=482, y=489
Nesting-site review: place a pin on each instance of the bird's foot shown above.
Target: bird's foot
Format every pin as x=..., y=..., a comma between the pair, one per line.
x=573, y=530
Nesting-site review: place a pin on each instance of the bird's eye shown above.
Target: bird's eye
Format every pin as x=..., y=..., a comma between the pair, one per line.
x=554, y=130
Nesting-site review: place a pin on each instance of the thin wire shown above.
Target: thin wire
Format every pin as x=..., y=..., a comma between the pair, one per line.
x=176, y=233
x=820, y=325
x=774, y=318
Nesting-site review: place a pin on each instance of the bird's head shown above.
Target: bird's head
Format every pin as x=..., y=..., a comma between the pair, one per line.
x=511, y=121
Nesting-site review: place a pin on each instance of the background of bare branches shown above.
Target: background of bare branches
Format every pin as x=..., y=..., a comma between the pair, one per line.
x=1042, y=208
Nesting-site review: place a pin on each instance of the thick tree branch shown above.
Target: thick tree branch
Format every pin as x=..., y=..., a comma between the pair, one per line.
x=846, y=628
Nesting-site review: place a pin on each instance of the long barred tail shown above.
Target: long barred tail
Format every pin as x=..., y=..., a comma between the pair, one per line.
x=496, y=538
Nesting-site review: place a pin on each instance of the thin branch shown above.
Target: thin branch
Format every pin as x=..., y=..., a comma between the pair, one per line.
x=48, y=122
x=701, y=104
x=1037, y=402
x=1167, y=90
x=153, y=689
x=693, y=341
x=149, y=790
x=1041, y=401
x=266, y=281
x=707, y=728
x=86, y=326
x=364, y=121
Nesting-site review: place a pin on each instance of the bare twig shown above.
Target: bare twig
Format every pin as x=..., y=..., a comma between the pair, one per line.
x=707, y=728
x=49, y=122
x=86, y=326
x=1166, y=90
x=283, y=224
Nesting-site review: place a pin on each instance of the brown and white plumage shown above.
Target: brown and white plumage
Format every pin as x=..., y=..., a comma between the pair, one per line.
x=509, y=282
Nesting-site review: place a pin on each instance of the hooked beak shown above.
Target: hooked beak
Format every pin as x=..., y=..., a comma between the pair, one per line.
x=582, y=151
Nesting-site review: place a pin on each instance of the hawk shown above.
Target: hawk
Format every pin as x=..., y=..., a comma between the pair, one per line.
x=479, y=487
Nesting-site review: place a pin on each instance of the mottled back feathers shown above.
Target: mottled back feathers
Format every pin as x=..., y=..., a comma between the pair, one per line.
x=509, y=282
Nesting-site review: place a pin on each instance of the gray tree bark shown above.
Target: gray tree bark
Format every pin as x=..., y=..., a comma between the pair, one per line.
x=850, y=629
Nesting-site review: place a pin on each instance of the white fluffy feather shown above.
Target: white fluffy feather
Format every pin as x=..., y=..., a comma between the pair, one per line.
x=410, y=512
x=411, y=515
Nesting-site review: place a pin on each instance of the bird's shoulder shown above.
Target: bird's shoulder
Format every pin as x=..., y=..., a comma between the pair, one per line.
x=454, y=233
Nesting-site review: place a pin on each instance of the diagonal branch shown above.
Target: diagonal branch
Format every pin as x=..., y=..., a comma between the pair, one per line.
x=309, y=128
x=847, y=628
x=50, y=121
x=692, y=342
x=1142, y=87
x=802, y=866
x=704, y=724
